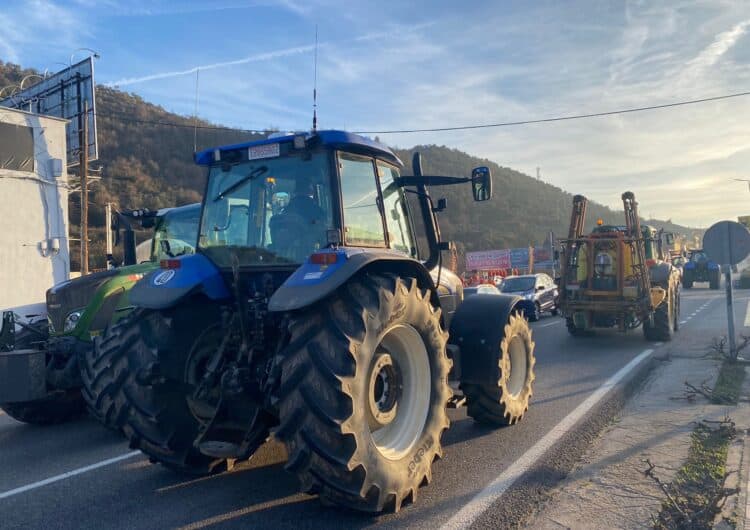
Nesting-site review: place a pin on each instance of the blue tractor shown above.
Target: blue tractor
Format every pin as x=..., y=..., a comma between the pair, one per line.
x=699, y=268
x=309, y=311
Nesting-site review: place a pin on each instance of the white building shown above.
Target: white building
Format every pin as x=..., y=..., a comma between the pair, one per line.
x=34, y=206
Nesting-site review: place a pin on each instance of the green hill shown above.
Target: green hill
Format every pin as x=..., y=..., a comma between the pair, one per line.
x=145, y=154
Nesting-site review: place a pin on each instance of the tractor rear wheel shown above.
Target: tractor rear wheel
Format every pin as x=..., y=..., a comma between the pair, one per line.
x=575, y=330
x=58, y=407
x=102, y=380
x=664, y=317
x=159, y=419
x=505, y=402
x=363, y=393
x=714, y=279
x=687, y=279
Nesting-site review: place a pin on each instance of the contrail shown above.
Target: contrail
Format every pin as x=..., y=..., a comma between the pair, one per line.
x=395, y=32
x=250, y=59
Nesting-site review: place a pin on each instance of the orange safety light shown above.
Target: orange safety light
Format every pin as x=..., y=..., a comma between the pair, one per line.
x=599, y=222
x=324, y=258
x=169, y=264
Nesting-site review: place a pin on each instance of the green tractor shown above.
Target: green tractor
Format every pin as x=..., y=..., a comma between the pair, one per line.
x=46, y=367
x=309, y=311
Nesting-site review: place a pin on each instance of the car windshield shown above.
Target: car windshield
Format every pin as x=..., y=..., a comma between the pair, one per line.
x=514, y=285
x=176, y=233
x=267, y=212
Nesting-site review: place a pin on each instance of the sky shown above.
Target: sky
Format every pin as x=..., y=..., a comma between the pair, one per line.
x=422, y=64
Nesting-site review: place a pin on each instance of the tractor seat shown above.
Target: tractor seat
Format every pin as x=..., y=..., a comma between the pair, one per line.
x=291, y=237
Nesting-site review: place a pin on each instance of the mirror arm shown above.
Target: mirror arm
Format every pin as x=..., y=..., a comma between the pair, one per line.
x=430, y=180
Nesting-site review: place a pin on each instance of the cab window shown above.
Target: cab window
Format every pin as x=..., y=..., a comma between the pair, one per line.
x=394, y=206
x=363, y=224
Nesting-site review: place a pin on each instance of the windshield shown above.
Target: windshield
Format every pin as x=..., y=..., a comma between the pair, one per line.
x=176, y=234
x=514, y=285
x=269, y=211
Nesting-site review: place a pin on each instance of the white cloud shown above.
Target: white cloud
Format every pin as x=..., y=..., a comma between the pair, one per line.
x=37, y=25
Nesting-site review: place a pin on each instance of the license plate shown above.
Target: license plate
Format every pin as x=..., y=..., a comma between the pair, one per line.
x=263, y=151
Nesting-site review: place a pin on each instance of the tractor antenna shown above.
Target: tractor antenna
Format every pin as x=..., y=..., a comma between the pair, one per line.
x=195, y=113
x=315, y=84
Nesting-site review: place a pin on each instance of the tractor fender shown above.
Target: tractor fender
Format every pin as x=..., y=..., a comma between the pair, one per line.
x=164, y=288
x=315, y=280
x=661, y=273
x=476, y=331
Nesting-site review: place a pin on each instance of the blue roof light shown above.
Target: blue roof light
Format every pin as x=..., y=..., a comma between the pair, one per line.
x=334, y=139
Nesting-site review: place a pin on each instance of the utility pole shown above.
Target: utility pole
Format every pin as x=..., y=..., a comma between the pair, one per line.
x=108, y=233
x=84, y=170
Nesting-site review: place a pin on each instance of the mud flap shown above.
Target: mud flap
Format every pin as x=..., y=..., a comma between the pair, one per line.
x=23, y=376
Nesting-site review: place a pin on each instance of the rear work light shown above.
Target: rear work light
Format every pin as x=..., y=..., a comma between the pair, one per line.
x=169, y=264
x=324, y=258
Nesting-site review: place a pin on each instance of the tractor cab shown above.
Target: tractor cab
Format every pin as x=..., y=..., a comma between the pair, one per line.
x=275, y=202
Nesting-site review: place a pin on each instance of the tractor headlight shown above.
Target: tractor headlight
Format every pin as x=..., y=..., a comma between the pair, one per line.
x=71, y=321
x=529, y=296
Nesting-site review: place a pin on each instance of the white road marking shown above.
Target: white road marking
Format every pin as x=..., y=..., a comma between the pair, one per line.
x=485, y=498
x=747, y=315
x=683, y=322
x=548, y=324
x=63, y=476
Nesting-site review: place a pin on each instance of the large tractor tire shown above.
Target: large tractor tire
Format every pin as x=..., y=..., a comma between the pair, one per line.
x=363, y=393
x=505, y=402
x=575, y=330
x=687, y=279
x=535, y=312
x=714, y=279
x=103, y=381
x=159, y=419
x=60, y=406
x=664, y=321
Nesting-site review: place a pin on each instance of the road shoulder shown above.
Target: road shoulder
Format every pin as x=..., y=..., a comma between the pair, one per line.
x=609, y=487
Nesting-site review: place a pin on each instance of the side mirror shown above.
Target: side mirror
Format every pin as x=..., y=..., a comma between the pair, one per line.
x=481, y=183
x=670, y=238
x=540, y=288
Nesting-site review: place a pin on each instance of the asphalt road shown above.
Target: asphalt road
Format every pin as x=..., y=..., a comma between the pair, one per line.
x=132, y=493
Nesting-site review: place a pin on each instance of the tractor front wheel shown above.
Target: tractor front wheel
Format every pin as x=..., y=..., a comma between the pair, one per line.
x=61, y=405
x=505, y=402
x=363, y=393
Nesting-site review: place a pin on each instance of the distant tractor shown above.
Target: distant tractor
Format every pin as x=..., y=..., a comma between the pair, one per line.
x=46, y=367
x=617, y=277
x=699, y=268
x=310, y=312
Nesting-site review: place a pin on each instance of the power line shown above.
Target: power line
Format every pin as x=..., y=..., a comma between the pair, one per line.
x=560, y=118
x=126, y=118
